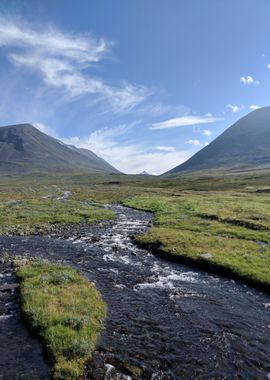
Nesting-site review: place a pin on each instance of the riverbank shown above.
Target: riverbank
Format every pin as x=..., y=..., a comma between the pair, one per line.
x=203, y=264
x=225, y=234
x=163, y=318
x=56, y=213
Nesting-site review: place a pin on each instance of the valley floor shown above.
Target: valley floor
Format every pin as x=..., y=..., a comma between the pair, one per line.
x=221, y=224
x=164, y=320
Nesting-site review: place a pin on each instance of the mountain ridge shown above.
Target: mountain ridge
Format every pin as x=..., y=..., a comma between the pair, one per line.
x=25, y=149
x=245, y=145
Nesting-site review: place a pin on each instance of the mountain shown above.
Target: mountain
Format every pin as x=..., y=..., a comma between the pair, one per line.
x=242, y=147
x=144, y=173
x=24, y=149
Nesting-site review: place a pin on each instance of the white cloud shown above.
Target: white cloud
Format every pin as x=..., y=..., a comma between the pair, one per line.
x=194, y=142
x=157, y=163
x=184, y=121
x=45, y=129
x=254, y=107
x=64, y=60
x=249, y=80
x=233, y=108
x=128, y=157
x=268, y=66
x=206, y=132
x=206, y=143
x=165, y=148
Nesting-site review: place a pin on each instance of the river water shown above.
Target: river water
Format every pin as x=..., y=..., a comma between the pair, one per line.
x=165, y=320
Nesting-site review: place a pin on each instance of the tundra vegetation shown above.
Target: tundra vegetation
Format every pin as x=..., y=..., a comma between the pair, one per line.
x=37, y=214
x=223, y=232
x=221, y=223
x=66, y=311
x=218, y=221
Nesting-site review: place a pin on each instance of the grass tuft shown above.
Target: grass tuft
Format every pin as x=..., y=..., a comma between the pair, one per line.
x=66, y=311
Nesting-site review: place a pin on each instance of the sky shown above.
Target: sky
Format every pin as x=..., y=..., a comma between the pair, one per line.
x=145, y=84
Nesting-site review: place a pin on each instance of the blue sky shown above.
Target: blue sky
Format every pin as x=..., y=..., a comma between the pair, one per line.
x=144, y=84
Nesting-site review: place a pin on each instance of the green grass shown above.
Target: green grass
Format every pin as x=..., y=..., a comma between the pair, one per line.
x=222, y=229
x=224, y=215
x=38, y=214
x=66, y=311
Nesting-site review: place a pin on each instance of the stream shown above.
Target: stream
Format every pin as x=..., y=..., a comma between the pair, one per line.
x=165, y=320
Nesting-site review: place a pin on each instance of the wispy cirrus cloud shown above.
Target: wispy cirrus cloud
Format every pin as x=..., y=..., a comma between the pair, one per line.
x=184, y=121
x=64, y=61
x=156, y=109
x=166, y=148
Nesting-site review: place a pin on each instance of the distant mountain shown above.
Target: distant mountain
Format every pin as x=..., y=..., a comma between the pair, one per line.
x=243, y=146
x=24, y=149
x=144, y=173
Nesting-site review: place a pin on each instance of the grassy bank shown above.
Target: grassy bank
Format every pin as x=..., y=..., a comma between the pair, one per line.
x=66, y=311
x=223, y=230
x=38, y=215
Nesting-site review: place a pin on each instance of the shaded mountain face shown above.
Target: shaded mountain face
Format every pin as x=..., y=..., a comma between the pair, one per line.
x=24, y=149
x=243, y=146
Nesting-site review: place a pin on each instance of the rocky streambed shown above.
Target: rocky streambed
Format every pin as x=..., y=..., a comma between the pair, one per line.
x=165, y=320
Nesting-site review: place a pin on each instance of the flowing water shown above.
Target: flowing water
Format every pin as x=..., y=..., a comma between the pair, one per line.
x=165, y=320
x=20, y=353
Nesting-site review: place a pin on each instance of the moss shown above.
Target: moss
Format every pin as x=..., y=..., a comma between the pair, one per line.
x=66, y=311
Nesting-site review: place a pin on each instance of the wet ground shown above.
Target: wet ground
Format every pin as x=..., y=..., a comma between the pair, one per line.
x=165, y=320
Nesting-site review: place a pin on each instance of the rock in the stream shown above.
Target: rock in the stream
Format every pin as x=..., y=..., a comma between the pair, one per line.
x=6, y=287
x=206, y=255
